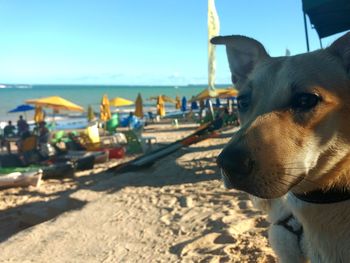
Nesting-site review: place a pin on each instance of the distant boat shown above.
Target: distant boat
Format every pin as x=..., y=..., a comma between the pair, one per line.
x=23, y=86
x=15, y=86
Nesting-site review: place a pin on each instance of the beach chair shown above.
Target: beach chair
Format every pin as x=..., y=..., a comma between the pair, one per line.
x=29, y=150
x=58, y=137
x=134, y=144
x=112, y=124
x=29, y=144
x=90, y=138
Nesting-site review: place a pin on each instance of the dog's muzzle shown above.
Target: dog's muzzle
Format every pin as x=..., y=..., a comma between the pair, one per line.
x=236, y=166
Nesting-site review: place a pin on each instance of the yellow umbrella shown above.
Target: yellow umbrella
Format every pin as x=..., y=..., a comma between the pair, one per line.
x=118, y=102
x=39, y=114
x=218, y=93
x=90, y=114
x=139, y=106
x=178, y=103
x=164, y=98
x=105, y=111
x=56, y=103
x=228, y=93
x=160, y=106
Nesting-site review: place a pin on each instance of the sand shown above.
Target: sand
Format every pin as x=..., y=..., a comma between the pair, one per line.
x=174, y=211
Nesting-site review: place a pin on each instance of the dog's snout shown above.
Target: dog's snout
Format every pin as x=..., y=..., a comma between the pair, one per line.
x=236, y=165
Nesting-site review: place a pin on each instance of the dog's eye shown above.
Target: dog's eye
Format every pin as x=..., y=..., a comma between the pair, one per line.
x=305, y=101
x=243, y=102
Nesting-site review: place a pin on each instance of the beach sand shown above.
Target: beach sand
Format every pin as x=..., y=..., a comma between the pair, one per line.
x=175, y=211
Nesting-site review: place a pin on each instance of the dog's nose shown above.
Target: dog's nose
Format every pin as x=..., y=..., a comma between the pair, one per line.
x=236, y=164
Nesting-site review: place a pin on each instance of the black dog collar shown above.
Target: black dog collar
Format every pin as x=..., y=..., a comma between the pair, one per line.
x=325, y=197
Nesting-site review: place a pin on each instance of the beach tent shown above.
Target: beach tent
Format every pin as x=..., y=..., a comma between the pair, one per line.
x=160, y=106
x=328, y=17
x=56, y=103
x=105, y=111
x=139, y=106
x=119, y=102
x=178, y=103
x=184, y=104
x=39, y=114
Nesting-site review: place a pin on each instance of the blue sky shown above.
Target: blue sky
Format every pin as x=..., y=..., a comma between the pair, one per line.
x=136, y=42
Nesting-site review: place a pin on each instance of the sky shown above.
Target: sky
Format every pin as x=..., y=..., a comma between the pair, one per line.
x=136, y=42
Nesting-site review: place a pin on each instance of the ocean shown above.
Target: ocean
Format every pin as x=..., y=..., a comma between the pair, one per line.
x=85, y=95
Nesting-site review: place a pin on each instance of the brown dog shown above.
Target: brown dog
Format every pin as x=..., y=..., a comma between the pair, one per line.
x=293, y=148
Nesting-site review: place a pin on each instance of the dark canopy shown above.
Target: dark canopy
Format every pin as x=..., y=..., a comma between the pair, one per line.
x=328, y=16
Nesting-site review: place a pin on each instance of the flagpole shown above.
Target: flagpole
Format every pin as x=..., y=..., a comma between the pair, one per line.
x=213, y=30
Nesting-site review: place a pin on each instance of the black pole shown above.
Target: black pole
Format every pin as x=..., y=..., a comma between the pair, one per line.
x=320, y=42
x=306, y=34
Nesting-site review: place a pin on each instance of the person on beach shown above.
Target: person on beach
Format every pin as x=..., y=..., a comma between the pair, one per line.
x=22, y=126
x=9, y=130
x=133, y=121
x=44, y=133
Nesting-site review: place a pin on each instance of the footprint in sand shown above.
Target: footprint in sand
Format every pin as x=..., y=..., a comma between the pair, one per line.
x=243, y=205
x=210, y=244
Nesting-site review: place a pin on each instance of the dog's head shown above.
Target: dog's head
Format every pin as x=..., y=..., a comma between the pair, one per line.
x=295, y=119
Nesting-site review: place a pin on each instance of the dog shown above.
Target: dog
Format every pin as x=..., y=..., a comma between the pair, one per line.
x=292, y=152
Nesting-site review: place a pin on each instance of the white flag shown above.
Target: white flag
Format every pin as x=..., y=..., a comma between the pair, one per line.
x=213, y=30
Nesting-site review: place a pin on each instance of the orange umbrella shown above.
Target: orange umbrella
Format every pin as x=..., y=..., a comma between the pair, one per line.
x=105, y=111
x=160, y=106
x=139, y=106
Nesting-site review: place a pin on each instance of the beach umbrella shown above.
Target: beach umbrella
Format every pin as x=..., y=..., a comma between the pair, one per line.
x=164, y=98
x=194, y=105
x=160, y=106
x=105, y=111
x=207, y=103
x=178, y=103
x=217, y=102
x=22, y=108
x=218, y=93
x=39, y=114
x=119, y=102
x=139, y=106
x=90, y=114
x=184, y=104
x=56, y=103
x=228, y=93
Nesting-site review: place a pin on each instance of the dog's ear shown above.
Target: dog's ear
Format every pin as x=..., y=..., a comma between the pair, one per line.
x=341, y=48
x=243, y=54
